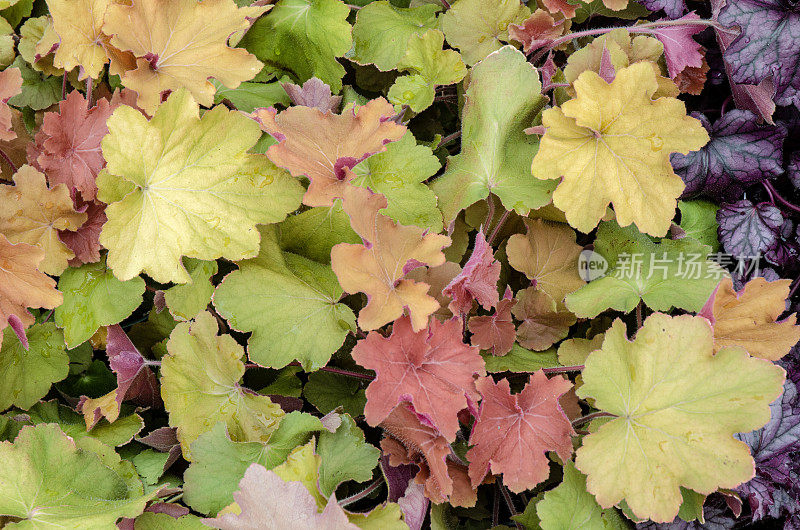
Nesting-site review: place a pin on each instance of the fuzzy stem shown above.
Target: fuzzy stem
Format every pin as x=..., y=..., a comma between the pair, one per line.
x=361, y=494
x=489, y=215
x=642, y=28
x=497, y=228
x=8, y=161
x=590, y=417
x=88, y=92
x=449, y=138
x=774, y=193
x=563, y=369
x=445, y=3
x=639, y=314
x=509, y=501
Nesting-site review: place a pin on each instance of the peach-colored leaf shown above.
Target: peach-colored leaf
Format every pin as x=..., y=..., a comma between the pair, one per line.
x=513, y=433
x=85, y=241
x=543, y=322
x=324, y=146
x=496, y=332
x=378, y=267
x=537, y=31
x=749, y=318
x=10, y=86
x=477, y=281
x=432, y=369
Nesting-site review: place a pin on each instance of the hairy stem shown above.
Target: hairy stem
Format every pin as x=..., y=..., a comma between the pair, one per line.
x=8, y=161
x=363, y=493
x=563, y=369
x=497, y=228
x=489, y=215
x=590, y=417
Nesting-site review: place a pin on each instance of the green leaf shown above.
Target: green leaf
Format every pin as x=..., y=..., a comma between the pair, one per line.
x=399, y=173
x=81, y=490
x=28, y=374
x=149, y=465
x=520, y=360
x=93, y=297
x=290, y=303
x=38, y=91
x=314, y=232
x=326, y=391
x=15, y=13
x=382, y=31
x=595, y=8
x=218, y=463
x=286, y=383
x=345, y=456
x=663, y=274
x=187, y=300
x=479, y=27
x=162, y=521
x=430, y=66
x=73, y=424
x=304, y=37
x=249, y=96
x=699, y=220
x=502, y=99
x=200, y=386
x=569, y=505
x=692, y=506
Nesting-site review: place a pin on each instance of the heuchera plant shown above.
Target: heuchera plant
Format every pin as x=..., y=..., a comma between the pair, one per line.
x=388, y=264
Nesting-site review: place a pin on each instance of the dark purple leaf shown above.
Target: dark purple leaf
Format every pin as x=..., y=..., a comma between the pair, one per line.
x=769, y=45
x=673, y=8
x=747, y=229
x=785, y=251
x=740, y=153
x=793, y=169
x=774, y=489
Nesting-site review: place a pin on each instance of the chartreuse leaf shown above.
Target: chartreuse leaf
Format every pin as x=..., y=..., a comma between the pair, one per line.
x=187, y=300
x=303, y=37
x=218, y=463
x=520, y=360
x=114, y=434
x=675, y=406
x=200, y=386
x=428, y=65
x=28, y=373
x=314, y=232
x=479, y=27
x=345, y=456
x=382, y=31
x=163, y=521
x=664, y=274
x=399, y=174
x=326, y=391
x=699, y=220
x=611, y=143
x=502, y=99
x=569, y=506
x=180, y=185
x=290, y=303
x=93, y=297
x=249, y=96
x=47, y=482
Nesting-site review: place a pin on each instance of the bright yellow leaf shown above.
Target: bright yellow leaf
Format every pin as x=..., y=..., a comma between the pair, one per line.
x=675, y=406
x=32, y=213
x=181, y=44
x=612, y=144
x=378, y=267
x=749, y=318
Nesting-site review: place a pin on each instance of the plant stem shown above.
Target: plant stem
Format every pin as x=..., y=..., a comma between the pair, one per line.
x=496, y=509
x=8, y=161
x=497, y=228
x=509, y=501
x=489, y=215
x=445, y=3
x=774, y=193
x=363, y=493
x=642, y=28
x=88, y=92
x=449, y=138
x=639, y=315
x=590, y=417
x=348, y=373
x=351, y=6
x=64, y=86
x=563, y=369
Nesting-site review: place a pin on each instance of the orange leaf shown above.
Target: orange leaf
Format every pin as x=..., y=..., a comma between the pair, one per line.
x=513, y=433
x=324, y=146
x=432, y=369
x=749, y=318
x=378, y=266
x=10, y=86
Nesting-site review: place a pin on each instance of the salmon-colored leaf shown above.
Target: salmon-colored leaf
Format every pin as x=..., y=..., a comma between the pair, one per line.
x=324, y=146
x=513, y=433
x=477, y=281
x=432, y=369
x=496, y=332
x=379, y=265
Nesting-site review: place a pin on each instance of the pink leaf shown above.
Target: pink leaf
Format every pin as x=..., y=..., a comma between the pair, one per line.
x=313, y=93
x=432, y=369
x=680, y=49
x=477, y=281
x=496, y=332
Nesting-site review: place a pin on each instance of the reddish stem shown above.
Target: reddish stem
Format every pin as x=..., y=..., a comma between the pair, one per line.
x=563, y=369
x=489, y=215
x=361, y=494
x=88, y=93
x=497, y=228
x=8, y=161
x=773, y=193
x=590, y=417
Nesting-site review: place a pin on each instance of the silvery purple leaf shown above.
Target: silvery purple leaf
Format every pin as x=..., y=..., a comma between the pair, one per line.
x=747, y=229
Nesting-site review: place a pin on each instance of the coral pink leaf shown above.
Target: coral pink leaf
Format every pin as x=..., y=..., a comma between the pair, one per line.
x=85, y=241
x=513, y=433
x=477, y=281
x=313, y=93
x=496, y=332
x=680, y=49
x=432, y=369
